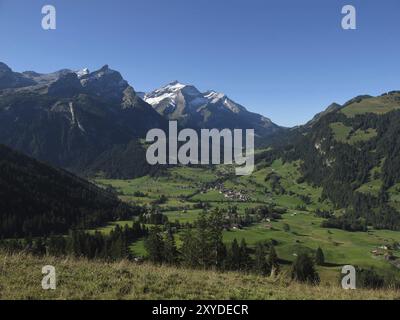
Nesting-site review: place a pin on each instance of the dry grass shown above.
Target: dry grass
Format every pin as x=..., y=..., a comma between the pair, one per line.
x=20, y=278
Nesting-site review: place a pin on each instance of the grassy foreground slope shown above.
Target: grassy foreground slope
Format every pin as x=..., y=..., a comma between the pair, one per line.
x=20, y=278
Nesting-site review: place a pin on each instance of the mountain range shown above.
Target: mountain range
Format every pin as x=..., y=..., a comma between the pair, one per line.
x=76, y=120
x=211, y=109
x=92, y=123
x=341, y=168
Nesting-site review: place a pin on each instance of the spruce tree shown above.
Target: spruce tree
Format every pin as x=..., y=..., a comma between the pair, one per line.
x=286, y=227
x=319, y=257
x=273, y=261
x=202, y=236
x=260, y=262
x=218, y=249
x=154, y=245
x=234, y=256
x=245, y=259
x=190, y=254
x=303, y=269
x=170, y=250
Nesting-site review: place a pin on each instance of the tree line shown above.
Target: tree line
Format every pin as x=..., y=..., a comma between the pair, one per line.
x=203, y=248
x=78, y=243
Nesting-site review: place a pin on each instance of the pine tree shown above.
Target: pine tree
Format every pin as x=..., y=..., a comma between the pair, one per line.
x=190, y=253
x=170, y=250
x=319, y=257
x=273, y=261
x=154, y=245
x=286, y=227
x=260, y=261
x=303, y=269
x=245, y=259
x=39, y=246
x=215, y=227
x=234, y=256
x=202, y=236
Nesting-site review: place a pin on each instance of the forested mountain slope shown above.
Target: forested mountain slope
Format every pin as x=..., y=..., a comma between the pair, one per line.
x=36, y=199
x=352, y=151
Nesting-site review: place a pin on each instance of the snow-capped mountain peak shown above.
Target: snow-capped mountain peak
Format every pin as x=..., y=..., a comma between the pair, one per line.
x=172, y=92
x=220, y=98
x=82, y=72
x=174, y=86
x=169, y=96
x=214, y=96
x=178, y=101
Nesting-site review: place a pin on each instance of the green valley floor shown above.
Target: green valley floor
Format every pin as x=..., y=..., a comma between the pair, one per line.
x=298, y=230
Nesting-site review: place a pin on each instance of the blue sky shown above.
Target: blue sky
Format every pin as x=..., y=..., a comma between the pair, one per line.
x=285, y=59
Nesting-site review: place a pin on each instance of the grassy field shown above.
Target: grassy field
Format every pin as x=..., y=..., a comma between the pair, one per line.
x=345, y=134
x=378, y=105
x=184, y=187
x=181, y=183
x=107, y=229
x=340, y=247
x=20, y=278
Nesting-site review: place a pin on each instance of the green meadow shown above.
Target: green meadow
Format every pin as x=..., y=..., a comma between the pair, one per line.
x=346, y=134
x=185, y=187
x=378, y=105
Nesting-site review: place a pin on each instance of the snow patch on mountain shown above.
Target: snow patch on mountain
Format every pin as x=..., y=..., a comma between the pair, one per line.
x=83, y=72
x=167, y=94
x=214, y=96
